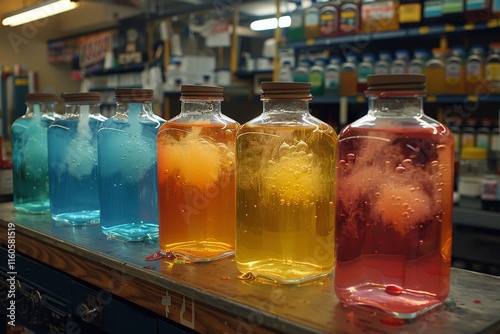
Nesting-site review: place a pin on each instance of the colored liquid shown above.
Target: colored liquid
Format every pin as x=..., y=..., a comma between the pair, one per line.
x=30, y=164
x=128, y=188
x=394, y=224
x=285, y=202
x=454, y=79
x=72, y=155
x=196, y=191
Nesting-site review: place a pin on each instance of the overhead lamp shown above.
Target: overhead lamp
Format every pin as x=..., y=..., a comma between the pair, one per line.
x=39, y=11
x=267, y=24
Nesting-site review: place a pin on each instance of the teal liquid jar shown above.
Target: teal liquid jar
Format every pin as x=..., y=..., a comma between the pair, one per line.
x=72, y=155
x=128, y=186
x=29, y=154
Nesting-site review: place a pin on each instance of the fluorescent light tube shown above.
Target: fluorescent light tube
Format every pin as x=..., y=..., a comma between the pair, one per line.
x=272, y=23
x=39, y=11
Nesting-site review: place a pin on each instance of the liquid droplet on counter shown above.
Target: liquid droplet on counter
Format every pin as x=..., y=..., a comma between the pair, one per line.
x=393, y=290
x=246, y=276
x=160, y=255
x=225, y=278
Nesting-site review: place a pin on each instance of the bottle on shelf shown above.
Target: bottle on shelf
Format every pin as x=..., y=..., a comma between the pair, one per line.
x=394, y=215
x=128, y=187
x=489, y=190
x=72, y=159
x=455, y=72
x=349, y=76
x=285, y=72
x=317, y=77
x=332, y=76
x=410, y=13
x=383, y=65
x=434, y=68
x=196, y=177
x=492, y=68
x=468, y=137
x=365, y=68
x=379, y=15
x=417, y=64
x=477, y=10
x=400, y=64
x=285, y=189
x=483, y=134
x=474, y=71
x=473, y=167
x=30, y=174
x=329, y=19
x=495, y=8
x=296, y=30
x=311, y=21
x=301, y=72
x=350, y=17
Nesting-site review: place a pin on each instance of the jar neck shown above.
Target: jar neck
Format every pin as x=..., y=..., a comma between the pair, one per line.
x=208, y=107
x=76, y=109
x=134, y=109
x=285, y=106
x=38, y=109
x=396, y=106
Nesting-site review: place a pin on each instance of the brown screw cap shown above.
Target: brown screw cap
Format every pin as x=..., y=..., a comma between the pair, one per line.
x=127, y=95
x=276, y=90
x=396, y=82
x=82, y=97
x=195, y=92
x=41, y=97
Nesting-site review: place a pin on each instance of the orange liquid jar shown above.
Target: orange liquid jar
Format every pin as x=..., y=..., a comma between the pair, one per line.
x=196, y=177
x=394, y=206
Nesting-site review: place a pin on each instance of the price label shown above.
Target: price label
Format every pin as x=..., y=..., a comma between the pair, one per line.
x=431, y=98
x=472, y=98
x=492, y=23
x=469, y=26
x=360, y=99
x=310, y=41
x=449, y=27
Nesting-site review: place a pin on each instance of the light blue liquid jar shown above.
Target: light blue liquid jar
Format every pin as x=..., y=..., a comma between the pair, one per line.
x=72, y=148
x=128, y=186
x=30, y=174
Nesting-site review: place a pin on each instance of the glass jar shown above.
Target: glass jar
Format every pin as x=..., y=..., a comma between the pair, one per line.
x=128, y=186
x=30, y=174
x=394, y=205
x=285, y=189
x=196, y=177
x=72, y=158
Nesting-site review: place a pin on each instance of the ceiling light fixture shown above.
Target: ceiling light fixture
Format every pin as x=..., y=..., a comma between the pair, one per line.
x=267, y=24
x=39, y=11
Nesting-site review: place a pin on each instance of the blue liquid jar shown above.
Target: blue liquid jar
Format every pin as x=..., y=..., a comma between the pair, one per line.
x=72, y=148
x=30, y=173
x=128, y=186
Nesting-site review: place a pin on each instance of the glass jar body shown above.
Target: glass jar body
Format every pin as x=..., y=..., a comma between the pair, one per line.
x=285, y=194
x=394, y=210
x=128, y=190
x=30, y=175
x=196, y=180
x=72, y=158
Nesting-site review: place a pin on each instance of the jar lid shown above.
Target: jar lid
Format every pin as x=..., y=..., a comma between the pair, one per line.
x=201, y=91
x=127, y=95
x=41, y=97
x=473, y=153
x=396, y=82
x=82, y=97
x=285, y=90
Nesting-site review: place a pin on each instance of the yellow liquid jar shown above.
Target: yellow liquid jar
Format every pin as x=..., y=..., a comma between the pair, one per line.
x=285, y=183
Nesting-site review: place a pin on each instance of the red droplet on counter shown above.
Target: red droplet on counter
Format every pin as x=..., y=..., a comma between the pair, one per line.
x=476, y=301
x=225, y=278
x=160, y=255
x=393, y=290
x=392, y=321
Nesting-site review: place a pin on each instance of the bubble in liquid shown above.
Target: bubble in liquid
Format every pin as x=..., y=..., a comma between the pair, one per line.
x=80, y=155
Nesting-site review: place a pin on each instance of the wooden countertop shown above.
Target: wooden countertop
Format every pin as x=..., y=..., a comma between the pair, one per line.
x=209, y=298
